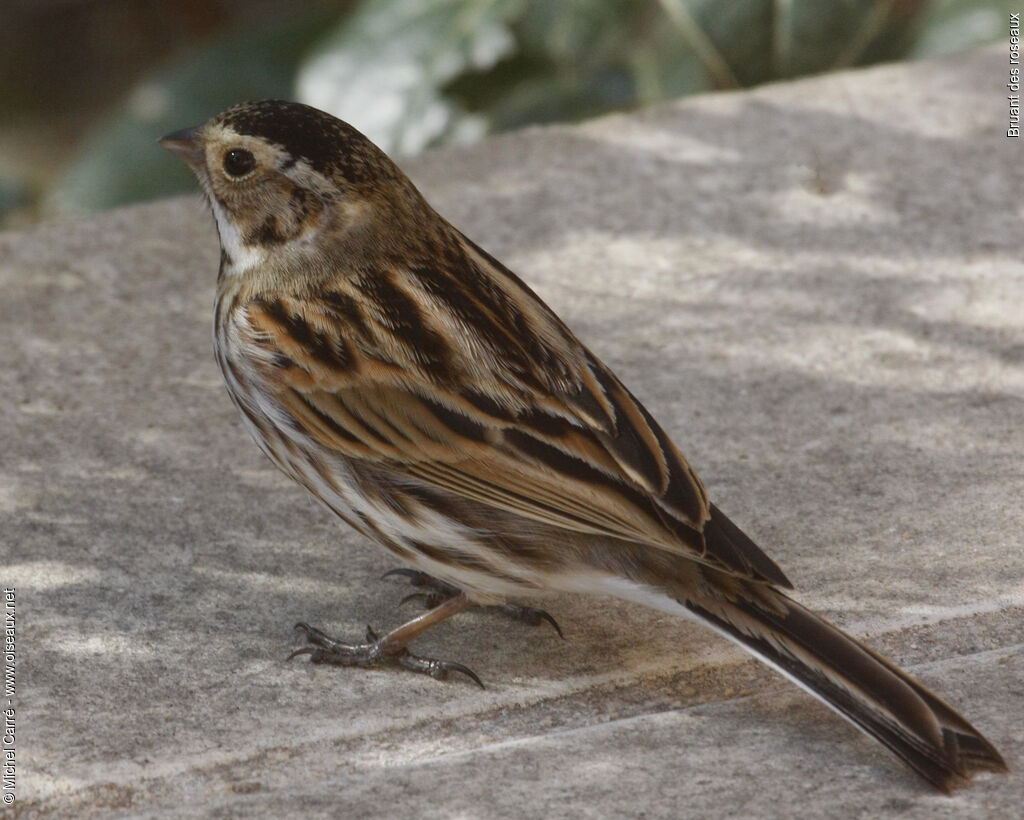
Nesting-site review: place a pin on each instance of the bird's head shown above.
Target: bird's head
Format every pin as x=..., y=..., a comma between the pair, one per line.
x=283, y=178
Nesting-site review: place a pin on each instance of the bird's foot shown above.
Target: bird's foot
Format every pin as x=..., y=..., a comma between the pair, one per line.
x=435, y=592
x=374, y=651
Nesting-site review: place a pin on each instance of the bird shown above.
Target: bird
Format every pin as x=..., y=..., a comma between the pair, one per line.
x=432, y=401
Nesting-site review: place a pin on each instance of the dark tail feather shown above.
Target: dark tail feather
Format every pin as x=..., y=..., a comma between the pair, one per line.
x=862, y=686
x=733, y=547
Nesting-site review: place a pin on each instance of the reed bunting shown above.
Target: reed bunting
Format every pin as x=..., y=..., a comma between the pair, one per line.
x=428, y=397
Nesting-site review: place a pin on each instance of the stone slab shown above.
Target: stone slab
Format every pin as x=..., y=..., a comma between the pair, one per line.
x=815, y=286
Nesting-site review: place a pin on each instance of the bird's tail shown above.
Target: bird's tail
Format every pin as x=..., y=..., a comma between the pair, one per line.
x=862, y=686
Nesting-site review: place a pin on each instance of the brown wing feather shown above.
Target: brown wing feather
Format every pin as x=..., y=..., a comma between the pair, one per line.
x=510, y=409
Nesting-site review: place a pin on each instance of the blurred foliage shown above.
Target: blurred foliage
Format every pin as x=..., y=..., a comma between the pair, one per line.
x=413, y=73
x=121, y=162
x=949, y=26
x=386, y=67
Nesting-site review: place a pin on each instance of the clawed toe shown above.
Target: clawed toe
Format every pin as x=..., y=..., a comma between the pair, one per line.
x=314, y=636
x=435, y=593
x=302, y=650
x=437, y=669
x=530, y=615
x=323, y=649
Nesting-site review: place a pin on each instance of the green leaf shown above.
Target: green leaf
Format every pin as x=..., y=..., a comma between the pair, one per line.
x=384, y=67
x=949, y=26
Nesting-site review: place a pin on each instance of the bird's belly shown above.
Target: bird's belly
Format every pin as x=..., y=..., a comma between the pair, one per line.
x=403, y=522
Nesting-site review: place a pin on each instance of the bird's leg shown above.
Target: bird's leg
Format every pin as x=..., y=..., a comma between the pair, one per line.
x=393, y=646
x=436, y=591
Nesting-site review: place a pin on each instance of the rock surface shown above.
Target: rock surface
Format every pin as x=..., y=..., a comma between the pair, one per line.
x=815, y=286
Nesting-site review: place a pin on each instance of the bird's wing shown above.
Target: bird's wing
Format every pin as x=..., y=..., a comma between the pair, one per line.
x=474, y=385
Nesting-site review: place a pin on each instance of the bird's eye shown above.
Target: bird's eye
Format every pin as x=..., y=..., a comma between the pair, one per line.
x=238, y=162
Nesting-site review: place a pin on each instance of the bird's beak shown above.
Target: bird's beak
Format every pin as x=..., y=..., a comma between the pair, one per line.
x=186, y=144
